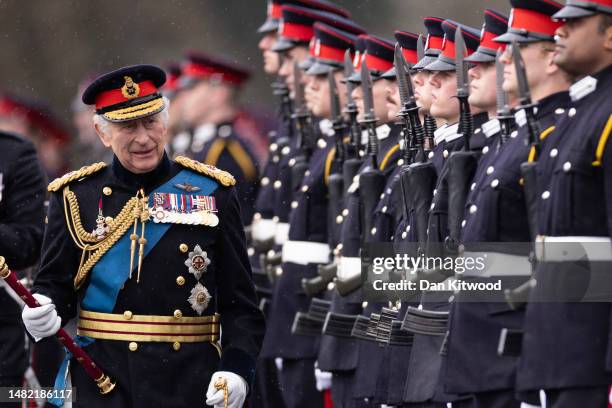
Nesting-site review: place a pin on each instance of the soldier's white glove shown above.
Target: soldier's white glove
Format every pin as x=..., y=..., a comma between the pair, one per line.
x=323, y=379
x=236, y=386
x=41, y=321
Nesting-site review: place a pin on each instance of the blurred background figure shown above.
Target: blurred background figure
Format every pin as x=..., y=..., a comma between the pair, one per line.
x=36, y=123
x=218, y=132
x=85, y=148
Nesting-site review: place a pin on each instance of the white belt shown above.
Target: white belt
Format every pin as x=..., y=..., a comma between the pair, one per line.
x=348, y=268
x=263, y=229
x=304, y=252
x=282, y=233
x=573, y=248
x=498, y=264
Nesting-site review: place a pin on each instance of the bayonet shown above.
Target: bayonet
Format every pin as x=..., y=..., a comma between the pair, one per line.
x=420, y=48
x=466, y=122
x=369, y=117
x=336, y=114
x=351, y=107
x=525, y=101
x=300, y=115
x=503, y=108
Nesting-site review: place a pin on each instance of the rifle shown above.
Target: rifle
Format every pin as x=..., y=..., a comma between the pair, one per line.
x=466, y=122
x=302, y=122
x=518, y=296
x=503, y=108
x=351, y=109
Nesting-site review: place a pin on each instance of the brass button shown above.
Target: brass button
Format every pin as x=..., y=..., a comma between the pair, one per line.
x=107, y=191
x=178, y=314
x=180, y=281
x=176, y=346
x=127, y=315
x=133, y=346
x=183, y=248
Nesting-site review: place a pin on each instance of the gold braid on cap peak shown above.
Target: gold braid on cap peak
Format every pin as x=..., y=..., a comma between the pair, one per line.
x=221, y=176
x=84, y=171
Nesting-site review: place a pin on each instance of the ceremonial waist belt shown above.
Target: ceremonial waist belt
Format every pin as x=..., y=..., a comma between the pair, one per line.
x=573, y=248
x=498, y=264
x=145, y=328
x=305, y=252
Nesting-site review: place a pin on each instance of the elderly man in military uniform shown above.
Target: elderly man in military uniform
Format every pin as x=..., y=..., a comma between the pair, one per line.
x=152, y=254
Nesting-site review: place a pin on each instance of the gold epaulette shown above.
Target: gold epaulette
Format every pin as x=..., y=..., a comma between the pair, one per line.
x=221, y=176
x=84, y=171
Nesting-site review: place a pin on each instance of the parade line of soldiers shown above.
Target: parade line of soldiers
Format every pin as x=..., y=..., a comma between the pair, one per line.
x=195, y=285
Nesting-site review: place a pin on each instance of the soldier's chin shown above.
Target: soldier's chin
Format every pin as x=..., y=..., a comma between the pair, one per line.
x=144, y=162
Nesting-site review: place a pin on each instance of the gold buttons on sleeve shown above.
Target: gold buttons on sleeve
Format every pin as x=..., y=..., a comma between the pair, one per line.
x=178, y=314
x=107, y=191
x=183, y=248
x=133, y=346
x=180, y=281
x=127, y=315
x=176, y=346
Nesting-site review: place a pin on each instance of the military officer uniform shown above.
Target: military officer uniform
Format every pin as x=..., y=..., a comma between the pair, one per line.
x=22, y=195
x=573, y=173
x=167, y=251
x=220, y=144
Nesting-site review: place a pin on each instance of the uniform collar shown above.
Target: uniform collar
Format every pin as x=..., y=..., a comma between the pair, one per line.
x=382, y=132
x=446, y=133
x=491, y=127
x=548, y=104
x=146, y=180
x=589, y=83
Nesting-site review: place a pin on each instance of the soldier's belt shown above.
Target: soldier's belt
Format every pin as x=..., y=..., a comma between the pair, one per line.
x=263, y=229
x=146, y=328
x=499, y=264
x=281, y=234
x=305, y=252
x=349, y=267
x=573, y=248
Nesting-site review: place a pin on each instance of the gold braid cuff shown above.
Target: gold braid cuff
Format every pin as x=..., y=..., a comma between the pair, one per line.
x=221, y=176
x=84, y=171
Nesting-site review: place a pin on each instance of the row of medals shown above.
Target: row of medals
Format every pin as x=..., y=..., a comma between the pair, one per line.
x=201, y=217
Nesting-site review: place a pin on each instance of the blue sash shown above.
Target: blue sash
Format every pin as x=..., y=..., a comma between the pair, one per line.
x=112, y=270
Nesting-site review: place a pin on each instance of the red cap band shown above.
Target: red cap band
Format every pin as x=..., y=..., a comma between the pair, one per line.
x=296, y=32
x=115, y=96
x=434, y=42
x=410, y=56
x=532, y=21
x=274, y=10
x=486, y=40
x=326, y=52
x=203, y=72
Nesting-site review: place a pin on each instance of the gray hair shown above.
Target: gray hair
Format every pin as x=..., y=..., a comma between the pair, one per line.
x=103, y=123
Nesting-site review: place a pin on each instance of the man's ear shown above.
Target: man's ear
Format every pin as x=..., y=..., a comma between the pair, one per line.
x=608, y=39
x=104, y=137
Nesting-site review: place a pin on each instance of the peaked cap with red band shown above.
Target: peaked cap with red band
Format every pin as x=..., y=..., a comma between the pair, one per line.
x=531, y=21
x=274, y=13
x=127, y=93
x=433, y=43
x=201, y=66
x=495, y=25
x=36, y=115
x=379, y=56
x=408, y=43
x=297, y=26
x=173, y=75
x=446, y=59
x=583, y=8
x=330, y=44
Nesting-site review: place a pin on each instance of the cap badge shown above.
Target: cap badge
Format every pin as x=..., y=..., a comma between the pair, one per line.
x=130, y=89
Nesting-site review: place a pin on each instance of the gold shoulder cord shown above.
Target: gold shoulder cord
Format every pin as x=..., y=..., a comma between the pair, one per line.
x=94, y=247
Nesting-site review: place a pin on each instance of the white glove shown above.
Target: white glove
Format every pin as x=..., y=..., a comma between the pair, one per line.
x=323, y=378
x=41, y=321
x=279, y=363
x=236, y=386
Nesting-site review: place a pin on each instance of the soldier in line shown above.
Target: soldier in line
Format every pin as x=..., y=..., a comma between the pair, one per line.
x=22, y=196
x=573, y=173
x=153, y=241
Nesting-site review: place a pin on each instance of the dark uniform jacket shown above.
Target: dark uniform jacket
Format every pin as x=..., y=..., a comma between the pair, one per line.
x=22, y=195
x=146, y=372
x=574, y=183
